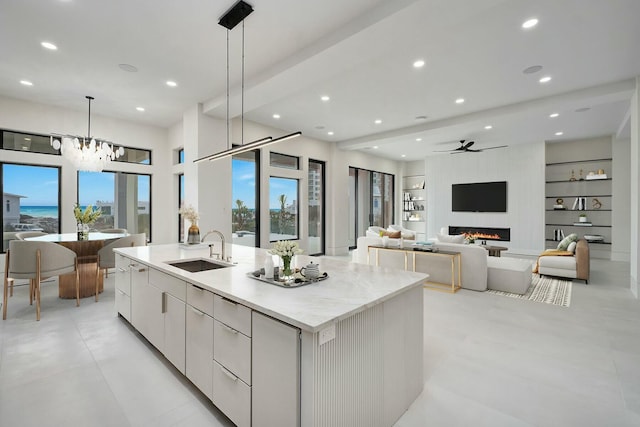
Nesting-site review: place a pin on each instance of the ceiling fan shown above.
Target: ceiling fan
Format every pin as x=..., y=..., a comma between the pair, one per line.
x=465, y=148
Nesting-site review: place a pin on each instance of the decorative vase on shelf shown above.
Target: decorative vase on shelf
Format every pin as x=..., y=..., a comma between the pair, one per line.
x=194, y=234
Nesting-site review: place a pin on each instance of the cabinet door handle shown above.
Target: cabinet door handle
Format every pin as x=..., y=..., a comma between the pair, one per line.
x=197, y=287
x=141, y=269
x=122, y=270
x=228, y=374
x=228, y=329
x=196, y=311
x=120, y=292
x=163, y=302
x=228, y=301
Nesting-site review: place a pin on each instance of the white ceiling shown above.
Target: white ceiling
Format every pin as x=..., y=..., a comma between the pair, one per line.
x=358, y=52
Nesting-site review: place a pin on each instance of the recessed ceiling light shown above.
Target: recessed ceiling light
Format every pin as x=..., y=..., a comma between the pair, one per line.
x=530, y=23
x=26, y=82
x=171, y=83
x=330, y=133
x=487, y=127
x=554, y=115
x=325, y=98
x=128, y=68
x=421, y=117
x=533, y=69
x=559, y=133
x=583, y=109
x=545, y=79
x=375, y=147
x=378, y=121
x=276, y=116
x=418, y=139
x=460, y=101
x=140, y=108
x=403, y=155
x=49, y=46
x=419, y=63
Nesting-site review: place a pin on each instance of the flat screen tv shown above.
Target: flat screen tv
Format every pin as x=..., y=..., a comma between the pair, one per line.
x=479, y=197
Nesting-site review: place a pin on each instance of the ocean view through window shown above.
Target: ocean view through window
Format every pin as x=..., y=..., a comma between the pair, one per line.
x=31, y=200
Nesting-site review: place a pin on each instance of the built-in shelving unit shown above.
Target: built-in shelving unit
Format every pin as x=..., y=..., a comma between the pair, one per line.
x=582, y=186
x=414, y=203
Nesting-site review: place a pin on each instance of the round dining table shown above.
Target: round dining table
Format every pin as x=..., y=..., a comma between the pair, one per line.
x=87, y=253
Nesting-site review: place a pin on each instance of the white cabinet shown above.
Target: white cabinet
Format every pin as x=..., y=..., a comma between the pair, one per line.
x=174, y=331
x=199, y=338
x=123, y=287
x=275, y=371
x=147, y=312
x=232, y=396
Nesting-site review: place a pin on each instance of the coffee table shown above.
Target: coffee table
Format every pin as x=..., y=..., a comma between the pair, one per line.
x=494, y=250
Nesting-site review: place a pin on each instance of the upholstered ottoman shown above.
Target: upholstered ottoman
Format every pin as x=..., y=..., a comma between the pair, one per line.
x=508, y=274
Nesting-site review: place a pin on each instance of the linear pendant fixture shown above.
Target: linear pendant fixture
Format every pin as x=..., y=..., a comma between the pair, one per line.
x=232, y=17
x=263, y=142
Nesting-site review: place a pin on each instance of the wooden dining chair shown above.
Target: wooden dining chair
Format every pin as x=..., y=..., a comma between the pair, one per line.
x=37, y=261
x=107, y=258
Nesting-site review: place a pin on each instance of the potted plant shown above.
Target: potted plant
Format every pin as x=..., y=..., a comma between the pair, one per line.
x=583, y=218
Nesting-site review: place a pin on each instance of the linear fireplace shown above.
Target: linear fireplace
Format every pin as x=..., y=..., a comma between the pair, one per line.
x=483, y=233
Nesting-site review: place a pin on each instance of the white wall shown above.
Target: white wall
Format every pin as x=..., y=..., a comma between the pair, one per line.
x=621, y=212
x=634, y=195
x=522, y=166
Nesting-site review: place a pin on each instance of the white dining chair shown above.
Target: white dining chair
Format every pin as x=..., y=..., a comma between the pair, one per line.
x=114, y=231
x=107, y=258
x=37, y=261
x=22, y=235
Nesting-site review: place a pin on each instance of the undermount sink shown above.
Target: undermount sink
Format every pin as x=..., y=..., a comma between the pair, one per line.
x=196, y=265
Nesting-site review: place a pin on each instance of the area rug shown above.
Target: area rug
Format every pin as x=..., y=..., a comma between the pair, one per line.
x=544, y=289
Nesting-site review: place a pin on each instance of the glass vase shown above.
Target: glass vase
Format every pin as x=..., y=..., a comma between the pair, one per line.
x=83, y=231
x=287, y=272
x=194, y=234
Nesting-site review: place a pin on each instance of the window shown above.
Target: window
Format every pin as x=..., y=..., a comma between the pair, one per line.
x=180, y=204
x=371, y=201
x=245, y=191
x=283, y=209
x=135, y=155
x=124, y=198
x=27, y=142
x=31, y=196
x=181, y=155
x=316, y=208
x=278, y=160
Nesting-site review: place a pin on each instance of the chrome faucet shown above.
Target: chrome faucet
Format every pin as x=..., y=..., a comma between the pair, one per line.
x=219, y=233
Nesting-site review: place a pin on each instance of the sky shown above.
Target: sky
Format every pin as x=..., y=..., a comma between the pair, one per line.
x=244, y=186
x=40, y=185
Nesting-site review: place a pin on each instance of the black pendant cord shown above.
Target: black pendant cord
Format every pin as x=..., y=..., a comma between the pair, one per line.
x=228, y=133
x=242, y=92
x=90, y=98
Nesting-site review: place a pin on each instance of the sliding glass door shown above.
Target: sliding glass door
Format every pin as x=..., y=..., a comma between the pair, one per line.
x=371, y=201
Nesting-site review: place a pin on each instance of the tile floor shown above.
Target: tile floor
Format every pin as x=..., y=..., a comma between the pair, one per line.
x=489, y=361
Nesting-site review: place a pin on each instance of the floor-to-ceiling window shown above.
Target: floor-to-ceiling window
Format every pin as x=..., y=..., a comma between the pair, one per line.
x=316, y=186
x=124, y=198
x=180, y=205
x=245, y=191
x=371, y=201
x=30, y=200
x=283, y=208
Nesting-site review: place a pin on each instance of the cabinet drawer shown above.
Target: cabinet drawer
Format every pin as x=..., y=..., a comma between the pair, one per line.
x=169, y=284
x=123, y=304
x=232, y=314
x=231, y=395
x=199, y=350
x=232, y=350
x=199, y=298
x=122, y=279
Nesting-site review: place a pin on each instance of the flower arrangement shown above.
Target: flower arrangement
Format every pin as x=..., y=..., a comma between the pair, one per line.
x=88, y=216
x=470, y=237
x=285, y=249
x=190, y=214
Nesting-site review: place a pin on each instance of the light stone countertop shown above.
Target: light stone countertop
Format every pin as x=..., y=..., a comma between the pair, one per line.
x=349, y=289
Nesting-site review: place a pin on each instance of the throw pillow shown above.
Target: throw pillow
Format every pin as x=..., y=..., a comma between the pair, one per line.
x=564, y=243
x=444, y=238
x=390, y=234
x=572, y=247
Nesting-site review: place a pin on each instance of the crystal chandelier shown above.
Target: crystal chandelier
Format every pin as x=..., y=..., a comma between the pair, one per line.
x=86, y=153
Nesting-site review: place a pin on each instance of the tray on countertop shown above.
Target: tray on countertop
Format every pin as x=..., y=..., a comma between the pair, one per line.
x=299, y=279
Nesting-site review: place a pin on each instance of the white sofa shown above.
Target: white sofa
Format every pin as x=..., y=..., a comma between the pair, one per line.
x=373, y=238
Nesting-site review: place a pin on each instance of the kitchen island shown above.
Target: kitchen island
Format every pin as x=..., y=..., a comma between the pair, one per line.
x=344, y=351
